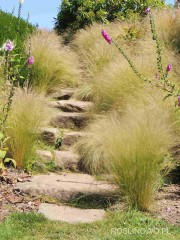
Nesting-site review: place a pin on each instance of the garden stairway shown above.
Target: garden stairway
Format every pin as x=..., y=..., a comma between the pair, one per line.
x=70, y=117
x=68, y=184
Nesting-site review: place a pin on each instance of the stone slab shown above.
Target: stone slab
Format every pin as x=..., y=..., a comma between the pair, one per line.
x=69, y=120
x=70, y=138
x=70, y=214
x=66, y=186
x=63, y=94
x=66, y=159
x=49, y=135
x=72, y=105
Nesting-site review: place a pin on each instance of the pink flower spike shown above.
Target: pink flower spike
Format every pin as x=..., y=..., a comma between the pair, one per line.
x=179, y=101
x=106, y=36
x=148, y=10
x=9, y=46
x=31, y=60
x=169, y=68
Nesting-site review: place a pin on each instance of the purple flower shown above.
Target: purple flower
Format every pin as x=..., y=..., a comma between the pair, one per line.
x=169, y=68
x=147, y=11
x=106, y=36
x=179, y=101
x=31, y=60
x=9, y=46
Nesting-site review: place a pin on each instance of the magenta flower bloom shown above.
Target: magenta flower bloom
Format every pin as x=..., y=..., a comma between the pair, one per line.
x=169, y=68
x=106, y=36
x=147, y=11
x=9, y=46
x=31, y=60
x=179, y=101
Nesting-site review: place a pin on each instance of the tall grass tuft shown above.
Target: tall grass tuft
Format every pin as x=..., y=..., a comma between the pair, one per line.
x=138, y=148
x=27, y=115
x=168, y=26
x=133, y=148
x=55, y=65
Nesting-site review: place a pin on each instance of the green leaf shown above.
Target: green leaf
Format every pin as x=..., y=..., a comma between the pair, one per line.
x=1, y=136
x=2, y=154
x=7, y=160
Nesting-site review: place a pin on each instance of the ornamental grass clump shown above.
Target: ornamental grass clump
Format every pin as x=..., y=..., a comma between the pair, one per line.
x=28, y=113
x=55, y=65
x=133, y=148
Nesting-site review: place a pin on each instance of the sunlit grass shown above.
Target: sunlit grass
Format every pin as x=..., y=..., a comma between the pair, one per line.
x=133, y=146
x=28, y=113
x=55, y=65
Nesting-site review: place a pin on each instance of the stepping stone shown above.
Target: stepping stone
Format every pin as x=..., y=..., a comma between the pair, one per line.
x=69, y=120
x=70, y=139
x=45, y=155
x=63, y=94
x=49, y=135
x=66, y=187
x=66, y=160
x=70, y=214
x=72, y=105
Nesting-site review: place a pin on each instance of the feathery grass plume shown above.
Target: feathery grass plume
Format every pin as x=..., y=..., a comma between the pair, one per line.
x=132, y=147
x=93, y=51
x=54, y=65
x=138, y=145
x=115, y=86
x=91, y=147
x=28, y=113
x=168, y=27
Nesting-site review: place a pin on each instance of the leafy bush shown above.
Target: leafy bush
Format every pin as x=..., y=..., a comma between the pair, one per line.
x=133, y=148
x=28, y=113
x=76, y=14
x=55, y=66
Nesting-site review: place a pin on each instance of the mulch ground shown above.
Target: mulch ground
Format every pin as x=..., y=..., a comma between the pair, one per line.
x=11, y=198
x=167, y=203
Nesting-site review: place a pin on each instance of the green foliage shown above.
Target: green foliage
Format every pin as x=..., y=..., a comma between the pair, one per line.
x=76, y=14
x=14, y=29
x=3, y=153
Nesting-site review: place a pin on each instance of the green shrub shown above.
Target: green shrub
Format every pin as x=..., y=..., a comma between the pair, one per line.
x=76, y=14
x=28, y=113
x=55, y=65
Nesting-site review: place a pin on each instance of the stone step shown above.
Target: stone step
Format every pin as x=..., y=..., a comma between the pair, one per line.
x=69, y=214
x=66, y=160
x=71, y=105
x=45, y=155
x=49, y=135
x=66, y=187
x=70, y=138
x=69, y=120
x=62, y=159
x=63, y=94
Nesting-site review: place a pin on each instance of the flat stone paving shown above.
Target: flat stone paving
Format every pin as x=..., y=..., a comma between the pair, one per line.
x=66, y=186
x=70, y=214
